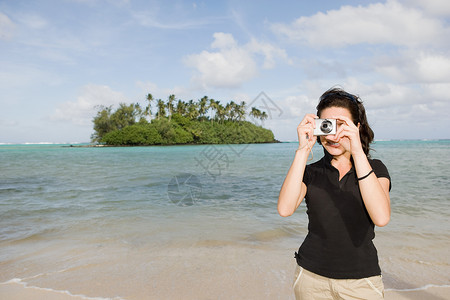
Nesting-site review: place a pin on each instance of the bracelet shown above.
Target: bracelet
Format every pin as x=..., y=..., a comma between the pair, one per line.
x=364, y=177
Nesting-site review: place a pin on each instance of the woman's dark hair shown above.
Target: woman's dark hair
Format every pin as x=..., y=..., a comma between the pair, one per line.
x=336, y=97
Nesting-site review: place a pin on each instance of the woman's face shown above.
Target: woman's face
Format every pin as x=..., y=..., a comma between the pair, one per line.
x=330, y=142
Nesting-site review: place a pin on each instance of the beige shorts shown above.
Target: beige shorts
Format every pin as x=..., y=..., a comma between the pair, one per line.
x=310, y=286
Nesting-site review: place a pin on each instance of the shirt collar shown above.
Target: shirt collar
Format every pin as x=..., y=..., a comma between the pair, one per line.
x=328, y=157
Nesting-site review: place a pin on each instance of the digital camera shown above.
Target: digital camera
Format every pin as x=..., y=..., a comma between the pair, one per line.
x=325, y=127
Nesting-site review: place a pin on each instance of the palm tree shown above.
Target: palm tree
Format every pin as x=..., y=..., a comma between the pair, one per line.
x=240, y=111
x=255, y=113
x=229, y=111
x=161, y=109
x=263, y=116
x=232, y=110
x=203, y=106
x=192, y=108
x=213, y=107
x=170, y=101
x=138, y=112
x=148, y=109
x=221, y=112
x=181, y=108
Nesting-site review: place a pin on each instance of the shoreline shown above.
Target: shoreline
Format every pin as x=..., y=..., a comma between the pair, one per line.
x=201, y=269
x=429, y=292
x=160, y=145
x=16, y=289
x=67, y=144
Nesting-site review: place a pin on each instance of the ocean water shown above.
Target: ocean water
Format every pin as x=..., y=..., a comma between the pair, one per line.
x=132, y=221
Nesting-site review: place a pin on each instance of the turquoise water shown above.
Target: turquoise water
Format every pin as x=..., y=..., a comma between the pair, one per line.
x=57, y=200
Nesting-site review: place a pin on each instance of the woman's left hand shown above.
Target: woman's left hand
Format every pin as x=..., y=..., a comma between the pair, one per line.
x=348, y=132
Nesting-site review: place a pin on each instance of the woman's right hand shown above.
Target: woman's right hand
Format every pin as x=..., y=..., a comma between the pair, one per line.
x=305, y=131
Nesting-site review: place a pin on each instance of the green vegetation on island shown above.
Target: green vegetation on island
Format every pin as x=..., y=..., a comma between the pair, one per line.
x=206, y=121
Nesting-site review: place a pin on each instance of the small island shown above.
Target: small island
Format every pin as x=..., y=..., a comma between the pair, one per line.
x=175, y=122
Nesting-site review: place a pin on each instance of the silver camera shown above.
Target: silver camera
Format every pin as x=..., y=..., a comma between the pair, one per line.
x=325, y=126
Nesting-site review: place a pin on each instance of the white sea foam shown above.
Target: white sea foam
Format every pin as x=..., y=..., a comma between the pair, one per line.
x=39, y=143
x=64, y=292
x=422, y=288
x=48, y=143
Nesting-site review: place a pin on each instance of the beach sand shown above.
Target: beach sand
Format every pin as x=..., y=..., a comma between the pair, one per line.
x=17, y=291
x=210, y=270
x=431, y=293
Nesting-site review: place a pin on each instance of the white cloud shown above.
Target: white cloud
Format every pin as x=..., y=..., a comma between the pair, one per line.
x=174, y=19
x=407, y=80
x=434, y=7
x=228, y=67
x=223, y=41
x=438, y=92
x=379, y=23
x=393, y=110
x=434, y=68
x=298, y=106
x=385, y=96
x=231, y=64
x=268, y=51
x=82, y=110
x=6, y=27
x=415, y=67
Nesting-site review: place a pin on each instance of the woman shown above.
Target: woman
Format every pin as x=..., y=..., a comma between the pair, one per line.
x=346, y=194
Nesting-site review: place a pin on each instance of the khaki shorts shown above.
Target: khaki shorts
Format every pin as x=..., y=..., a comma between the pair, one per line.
x=310, y=286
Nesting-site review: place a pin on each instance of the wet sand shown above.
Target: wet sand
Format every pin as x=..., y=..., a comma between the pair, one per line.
x=431, y=293
x=212, y=270
x=17, y=291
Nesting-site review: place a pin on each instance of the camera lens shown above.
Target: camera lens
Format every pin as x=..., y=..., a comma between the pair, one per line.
x=326, y=126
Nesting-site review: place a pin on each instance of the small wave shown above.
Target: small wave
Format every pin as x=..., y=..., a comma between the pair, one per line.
x=39, y=143
x=422, y=288
x=64, y=292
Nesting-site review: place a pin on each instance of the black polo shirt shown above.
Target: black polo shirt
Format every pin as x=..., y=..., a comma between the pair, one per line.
x=339, y=242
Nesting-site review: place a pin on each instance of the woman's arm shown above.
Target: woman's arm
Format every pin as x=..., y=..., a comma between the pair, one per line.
x=374, y=191
x=293, y=189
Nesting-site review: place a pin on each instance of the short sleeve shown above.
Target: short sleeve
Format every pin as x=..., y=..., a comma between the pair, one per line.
x=380, y=170
x=307, y=175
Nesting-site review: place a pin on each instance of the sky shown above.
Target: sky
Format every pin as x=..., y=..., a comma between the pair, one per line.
x=60, y=59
